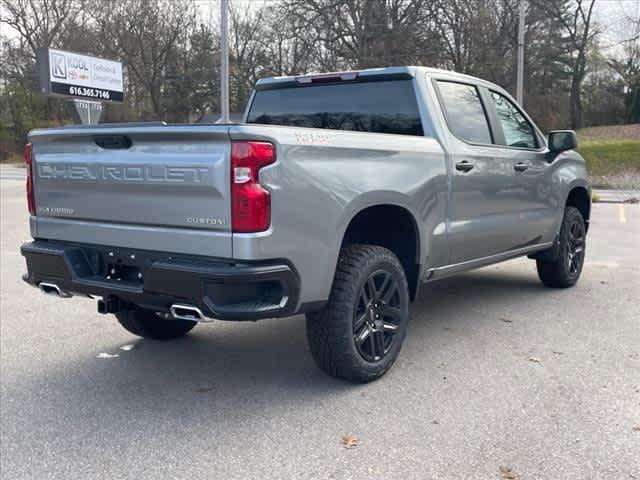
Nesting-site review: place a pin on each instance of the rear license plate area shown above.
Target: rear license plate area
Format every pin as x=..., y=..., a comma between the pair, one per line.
x=122, y=272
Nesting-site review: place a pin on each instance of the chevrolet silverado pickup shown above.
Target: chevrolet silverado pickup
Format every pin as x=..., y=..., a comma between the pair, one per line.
x=337, y=197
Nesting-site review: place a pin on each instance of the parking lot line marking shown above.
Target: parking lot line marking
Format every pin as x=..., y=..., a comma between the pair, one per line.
x=621, y=216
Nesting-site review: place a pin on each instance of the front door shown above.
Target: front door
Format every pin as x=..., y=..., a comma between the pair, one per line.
x=522, y=147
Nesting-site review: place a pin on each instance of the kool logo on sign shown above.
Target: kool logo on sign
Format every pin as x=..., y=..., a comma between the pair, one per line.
x=78, y=63
x=59, y=66
x=79, y=67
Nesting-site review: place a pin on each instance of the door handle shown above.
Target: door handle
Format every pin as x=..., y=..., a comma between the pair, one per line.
x=464, y=166
x=521, y=166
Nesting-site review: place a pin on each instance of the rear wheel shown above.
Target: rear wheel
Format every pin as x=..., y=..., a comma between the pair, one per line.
x=565, y=268
x=359, y=333
x=148, y=324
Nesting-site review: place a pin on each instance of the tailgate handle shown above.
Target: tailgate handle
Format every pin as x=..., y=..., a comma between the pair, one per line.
x=113, y=142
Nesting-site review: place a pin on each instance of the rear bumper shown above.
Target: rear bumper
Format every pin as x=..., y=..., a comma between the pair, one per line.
x=221, y=289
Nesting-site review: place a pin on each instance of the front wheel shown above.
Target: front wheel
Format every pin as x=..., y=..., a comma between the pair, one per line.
x=359, y=333
x=564, y=270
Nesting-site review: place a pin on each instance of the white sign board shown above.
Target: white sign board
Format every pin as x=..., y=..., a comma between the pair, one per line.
x=80, y=76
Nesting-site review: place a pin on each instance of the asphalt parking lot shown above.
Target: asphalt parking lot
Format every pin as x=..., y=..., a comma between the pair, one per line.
x=497, y=372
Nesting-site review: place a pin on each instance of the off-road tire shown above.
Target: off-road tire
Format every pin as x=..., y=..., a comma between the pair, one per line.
x=330, y=332
x=564, y=270
x=148, y=324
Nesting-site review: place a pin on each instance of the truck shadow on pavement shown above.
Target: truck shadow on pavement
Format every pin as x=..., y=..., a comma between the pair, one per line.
x=274, y=354
x=227, y=371
x=477, y=289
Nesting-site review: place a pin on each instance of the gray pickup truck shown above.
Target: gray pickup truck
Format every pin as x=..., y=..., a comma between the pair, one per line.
x=337, y=197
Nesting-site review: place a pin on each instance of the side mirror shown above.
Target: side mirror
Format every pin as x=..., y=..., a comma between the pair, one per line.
x=561, y=140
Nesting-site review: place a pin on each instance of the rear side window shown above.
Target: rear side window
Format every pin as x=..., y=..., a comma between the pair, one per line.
x=464, y=111
x=377, y=107
x=518, y=132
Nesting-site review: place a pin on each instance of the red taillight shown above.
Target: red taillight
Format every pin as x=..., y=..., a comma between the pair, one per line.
x=28, y=161
x=250, y=202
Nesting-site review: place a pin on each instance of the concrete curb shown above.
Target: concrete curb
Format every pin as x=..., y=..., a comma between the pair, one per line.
x=616, y=196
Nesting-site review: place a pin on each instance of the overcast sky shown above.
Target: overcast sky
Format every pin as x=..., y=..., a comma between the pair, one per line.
x=609, y=15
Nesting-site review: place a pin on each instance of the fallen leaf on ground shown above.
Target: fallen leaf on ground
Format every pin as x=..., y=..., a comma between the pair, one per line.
x=506, y=473
x=506, y=320
x=636, y=428
x=349, y=441
x=534, y=359
x=107, y=355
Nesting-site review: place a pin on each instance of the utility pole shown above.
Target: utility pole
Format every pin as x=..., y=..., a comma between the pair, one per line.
x=224, y=64
x=520, y=59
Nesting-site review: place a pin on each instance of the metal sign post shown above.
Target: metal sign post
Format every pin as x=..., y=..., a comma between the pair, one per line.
x=86, y=112
x=224, y=64
x=520, y=66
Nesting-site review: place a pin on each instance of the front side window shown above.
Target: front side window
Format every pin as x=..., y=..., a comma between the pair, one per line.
x=518, y=132
x=465, y=114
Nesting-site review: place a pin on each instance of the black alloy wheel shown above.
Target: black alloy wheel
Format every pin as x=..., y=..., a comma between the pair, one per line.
x=561, y=266
x=358, y=334
x=575, y=247
x=377, y=316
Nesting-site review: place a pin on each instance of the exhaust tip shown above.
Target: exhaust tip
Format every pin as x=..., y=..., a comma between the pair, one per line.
x=53, y=289
x=186, y=312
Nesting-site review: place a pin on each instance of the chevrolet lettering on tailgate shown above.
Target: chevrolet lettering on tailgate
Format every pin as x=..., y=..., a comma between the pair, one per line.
x=123, y=173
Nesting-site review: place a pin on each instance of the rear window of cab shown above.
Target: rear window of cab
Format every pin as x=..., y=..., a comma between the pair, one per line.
x=376, y=107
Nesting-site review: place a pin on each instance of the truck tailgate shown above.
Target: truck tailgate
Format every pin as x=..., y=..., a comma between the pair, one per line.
x=158, y=175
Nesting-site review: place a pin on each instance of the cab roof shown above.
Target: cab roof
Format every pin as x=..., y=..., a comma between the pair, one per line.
x=365, y=75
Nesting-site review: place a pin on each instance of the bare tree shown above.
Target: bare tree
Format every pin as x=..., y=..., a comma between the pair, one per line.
x=36, y=23
x=246, y=50
x=289, y=48
x=366, y=33
x=171, y=61
x=42, y=23
x=476, y=36
x=145, y=35
x=625, y=61
x=576, y=19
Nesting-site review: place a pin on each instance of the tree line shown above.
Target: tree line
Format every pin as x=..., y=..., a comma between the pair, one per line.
x=170, y=53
